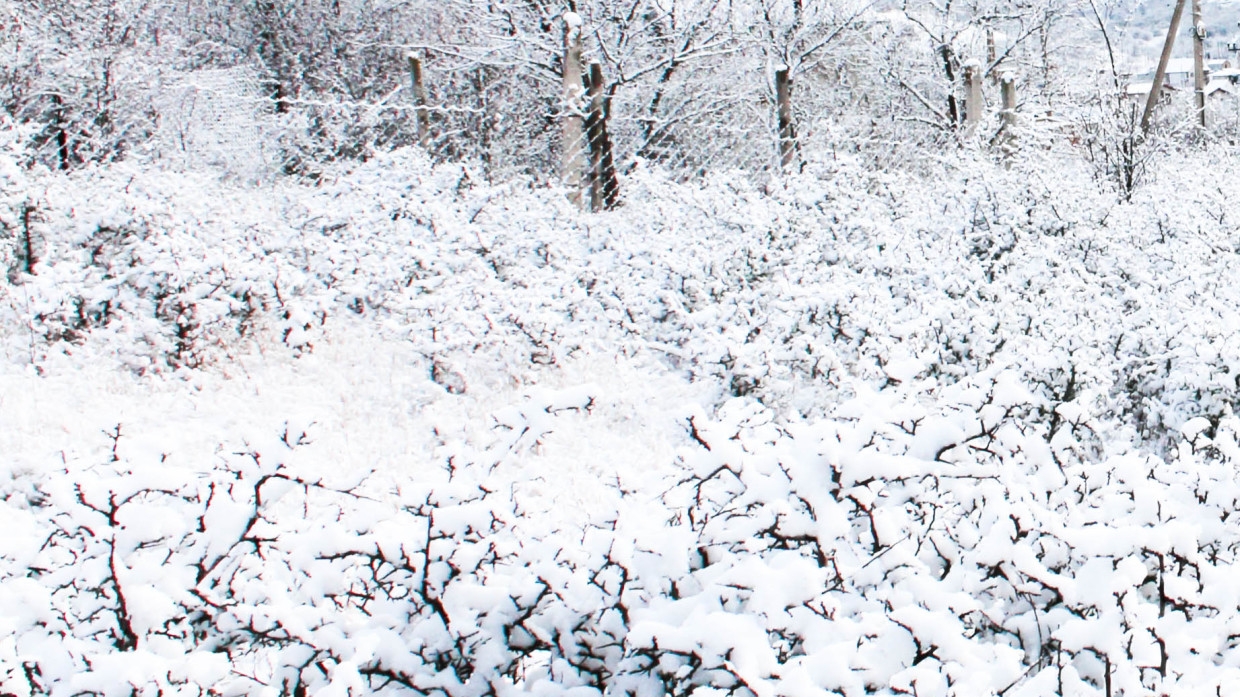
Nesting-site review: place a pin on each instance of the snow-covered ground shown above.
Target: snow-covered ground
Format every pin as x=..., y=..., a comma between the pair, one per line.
x=965, y=429
x=370, y=406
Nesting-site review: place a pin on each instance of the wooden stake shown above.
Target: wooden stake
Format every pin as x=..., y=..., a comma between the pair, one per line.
x=419, y=101
x=573, y=163
x=1161, y=73
x=787, y=131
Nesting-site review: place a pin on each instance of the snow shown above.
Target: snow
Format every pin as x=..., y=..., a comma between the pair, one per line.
x=397, y=433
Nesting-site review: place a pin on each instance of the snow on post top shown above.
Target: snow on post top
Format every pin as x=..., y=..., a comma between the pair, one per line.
x=572, y=20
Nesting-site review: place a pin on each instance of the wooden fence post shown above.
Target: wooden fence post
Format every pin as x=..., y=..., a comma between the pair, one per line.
x=787, y=131
x=973, y=95
x=604, y=187
x=572, y=165
x=419, y=101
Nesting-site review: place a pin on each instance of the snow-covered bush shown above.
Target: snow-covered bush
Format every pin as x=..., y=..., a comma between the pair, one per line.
x=973, y=434
x=907, y=543
x=20, y=217
x=148, y=575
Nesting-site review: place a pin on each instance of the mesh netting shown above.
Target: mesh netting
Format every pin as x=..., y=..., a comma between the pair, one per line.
x=218, y=119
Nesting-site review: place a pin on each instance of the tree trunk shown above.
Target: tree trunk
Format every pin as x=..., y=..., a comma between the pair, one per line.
x=949, y=69
x=1007, y=134
x=991, y=54
x=272, y=53
x=787, y=130
x=604, y=187
x=29, y=256
x=62, y=134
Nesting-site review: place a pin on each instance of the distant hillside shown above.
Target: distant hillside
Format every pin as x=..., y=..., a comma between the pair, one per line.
x=1139, y=31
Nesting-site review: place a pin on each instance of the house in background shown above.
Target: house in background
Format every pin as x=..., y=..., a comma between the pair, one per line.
x=1221, y=79
x=1180, y=71
x=1139, y=91
x=1220, y=90
x=1228, y=76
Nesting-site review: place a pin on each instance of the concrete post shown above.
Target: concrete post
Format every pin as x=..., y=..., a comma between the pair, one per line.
x=1199, y=69
x=973, y=95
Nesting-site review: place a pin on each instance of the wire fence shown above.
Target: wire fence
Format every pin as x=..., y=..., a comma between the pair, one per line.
x=722, y=89
x=224, y=119
x=217, y=119
x=688, y=137
x=746, y=119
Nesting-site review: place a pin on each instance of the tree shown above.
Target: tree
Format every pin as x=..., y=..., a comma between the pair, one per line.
x=993, y=33
x=86, y=71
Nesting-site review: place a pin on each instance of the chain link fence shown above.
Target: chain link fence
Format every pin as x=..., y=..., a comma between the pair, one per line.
x=217, y=118
x=508, y=125
x=746, y=116
x=683, y=129
x=687, y=133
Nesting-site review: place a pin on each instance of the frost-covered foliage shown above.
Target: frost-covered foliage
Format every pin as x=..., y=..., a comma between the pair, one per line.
x=967, y=430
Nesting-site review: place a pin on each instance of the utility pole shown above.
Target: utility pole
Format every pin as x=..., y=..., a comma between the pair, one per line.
x=1199, y=68
x=1161, y=73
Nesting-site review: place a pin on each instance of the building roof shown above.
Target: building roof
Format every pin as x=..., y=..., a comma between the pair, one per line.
x=1177, y=66
x=1135, y=89
x=1220, y=89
